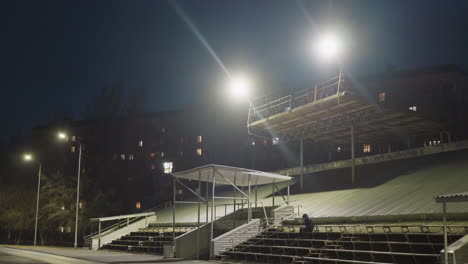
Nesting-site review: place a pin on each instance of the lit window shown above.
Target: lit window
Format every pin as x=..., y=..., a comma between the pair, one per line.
x=382, y=97
x=153, y=167
x=167, y=167
x=122, y=156
x=152, y=155
x=68, y=230
x=162, y=154
x=413, y=108
x=63, y=207
x=72, y=149
x=181, y=153
x=199, y=152
x=81, y=205
x=338, y=149
x=138, y=205
x=264, y=142
x=275, y=141
x=140, y=143
x=163, y=130
x=181, y=140
x=366, y=148
x=253, y=143
x=130, y=157
x=199, y=139
x=61, y=229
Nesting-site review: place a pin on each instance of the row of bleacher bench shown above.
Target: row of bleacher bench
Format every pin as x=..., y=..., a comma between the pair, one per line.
x=148, y=240
x=280, y=246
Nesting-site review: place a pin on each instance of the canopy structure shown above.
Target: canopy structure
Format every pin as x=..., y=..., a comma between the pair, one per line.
x=217, y=175
x=444, y=199
x=231, y=175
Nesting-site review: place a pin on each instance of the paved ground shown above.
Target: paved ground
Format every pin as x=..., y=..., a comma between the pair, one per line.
x=55, y=255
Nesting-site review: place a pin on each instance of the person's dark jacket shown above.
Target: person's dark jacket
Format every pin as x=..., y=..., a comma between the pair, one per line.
x=308, y=223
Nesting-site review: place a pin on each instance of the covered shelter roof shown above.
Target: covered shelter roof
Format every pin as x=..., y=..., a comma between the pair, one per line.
x=452, y=198
x=231, y=175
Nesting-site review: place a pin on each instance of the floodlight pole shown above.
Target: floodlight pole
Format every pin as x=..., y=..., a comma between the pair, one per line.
x=198, y=220
x=37, y=201
x=444, y=215
x=78, y=194
x=301, y=161
x=249, y=212
x=174, y=189
x=353, y=159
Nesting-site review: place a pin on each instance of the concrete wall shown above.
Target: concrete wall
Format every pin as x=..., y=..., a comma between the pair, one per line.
x=186, y=244
x=404, y=154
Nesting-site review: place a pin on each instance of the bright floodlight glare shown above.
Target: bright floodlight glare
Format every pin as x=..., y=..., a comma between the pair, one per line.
x=329, y=47
x=27, y=157
x=62, y=135
x=168, y=167
x=239, y=87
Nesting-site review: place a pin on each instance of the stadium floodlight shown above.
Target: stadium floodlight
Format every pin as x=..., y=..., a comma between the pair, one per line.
x=239, y=87
x=329, y=47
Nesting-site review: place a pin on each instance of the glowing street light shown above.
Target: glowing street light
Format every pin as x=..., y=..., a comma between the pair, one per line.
x=28, y=158
x=239, y=86
x=62, y=135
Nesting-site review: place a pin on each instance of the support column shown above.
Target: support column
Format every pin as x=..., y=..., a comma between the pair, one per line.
x=256, y=200
x=198, y=220
x=207, y=203
x=301, y=163
x=212, y=214
x=234, y=190
x=288, y=194
x=273, y=193
x=353, y=158
x=249, y=212
x=173, y=207
x=444, y=215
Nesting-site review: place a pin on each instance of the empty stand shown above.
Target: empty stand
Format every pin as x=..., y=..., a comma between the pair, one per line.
x=148, y=240
x=284, y=246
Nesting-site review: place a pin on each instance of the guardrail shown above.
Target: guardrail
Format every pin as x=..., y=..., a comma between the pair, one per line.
x=271, y=104
x=127, y=220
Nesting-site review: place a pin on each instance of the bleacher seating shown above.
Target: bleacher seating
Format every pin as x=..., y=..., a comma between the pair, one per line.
x=148, y=240
x=286, y=245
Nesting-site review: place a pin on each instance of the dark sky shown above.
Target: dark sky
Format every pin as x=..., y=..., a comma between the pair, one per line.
x=56, y=55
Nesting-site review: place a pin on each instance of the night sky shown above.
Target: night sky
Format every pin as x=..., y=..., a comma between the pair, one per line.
x=56, y=55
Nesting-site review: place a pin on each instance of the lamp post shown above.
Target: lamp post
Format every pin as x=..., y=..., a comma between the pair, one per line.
x=28, y=158
x=63, y=136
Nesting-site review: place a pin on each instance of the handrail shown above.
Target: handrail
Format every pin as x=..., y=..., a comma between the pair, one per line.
x=265, y=106
x=130, y=218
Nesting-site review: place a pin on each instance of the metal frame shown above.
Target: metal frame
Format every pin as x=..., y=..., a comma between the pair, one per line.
x=444, y=199
x=245, y=198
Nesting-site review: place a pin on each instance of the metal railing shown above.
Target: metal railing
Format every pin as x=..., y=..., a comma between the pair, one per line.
x=127, y=220
x=240, y=236
x=272, y=104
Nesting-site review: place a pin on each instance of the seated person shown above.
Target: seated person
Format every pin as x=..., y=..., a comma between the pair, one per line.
x=309, y=225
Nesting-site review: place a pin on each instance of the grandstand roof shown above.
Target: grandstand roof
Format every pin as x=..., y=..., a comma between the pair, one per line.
x=452, y=198
x=231, y=175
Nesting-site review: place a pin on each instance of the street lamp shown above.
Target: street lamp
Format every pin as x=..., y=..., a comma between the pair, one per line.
x=63, y=136
x=28, y=158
